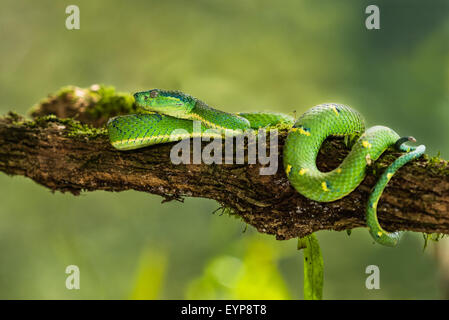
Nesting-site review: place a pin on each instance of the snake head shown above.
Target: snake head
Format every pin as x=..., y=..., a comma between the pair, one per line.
x=172, y=103
x=400, y=143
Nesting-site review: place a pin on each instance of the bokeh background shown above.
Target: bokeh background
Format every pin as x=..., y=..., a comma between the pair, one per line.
x=238, y=55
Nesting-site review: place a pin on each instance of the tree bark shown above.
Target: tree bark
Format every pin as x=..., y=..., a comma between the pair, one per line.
x=71, y=156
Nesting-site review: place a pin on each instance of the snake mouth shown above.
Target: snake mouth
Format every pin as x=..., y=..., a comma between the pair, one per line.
x=411, y=139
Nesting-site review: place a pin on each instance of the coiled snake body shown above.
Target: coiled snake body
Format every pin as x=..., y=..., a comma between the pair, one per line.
x=174, y=110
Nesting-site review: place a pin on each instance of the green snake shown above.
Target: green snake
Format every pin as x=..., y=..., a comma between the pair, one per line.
x=165, y=112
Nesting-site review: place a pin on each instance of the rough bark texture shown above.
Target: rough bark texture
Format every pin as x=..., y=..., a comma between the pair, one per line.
x=66, y=156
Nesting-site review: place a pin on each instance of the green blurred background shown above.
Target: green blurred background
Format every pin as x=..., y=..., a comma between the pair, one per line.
x=237, y=55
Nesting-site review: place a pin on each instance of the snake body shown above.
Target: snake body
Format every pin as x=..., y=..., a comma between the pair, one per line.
x=170, y=114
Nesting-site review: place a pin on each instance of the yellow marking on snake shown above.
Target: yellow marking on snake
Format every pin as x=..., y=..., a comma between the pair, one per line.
x=302, y=131
x=166, y=136
x=289, y=168
x=302, y=171
x=389, y=175
x=379, y=233
x=368, y=159
x=374, y=205
x=338, y=170
x=335, y=110
x=324, y=186
x=366, y=144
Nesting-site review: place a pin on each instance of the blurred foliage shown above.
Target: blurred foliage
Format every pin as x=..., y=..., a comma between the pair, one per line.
x=150, y=276
x=236, y=55
x=256, y=276
x=313, y=267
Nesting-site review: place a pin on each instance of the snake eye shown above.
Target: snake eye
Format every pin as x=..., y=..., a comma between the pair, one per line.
x=153, y=94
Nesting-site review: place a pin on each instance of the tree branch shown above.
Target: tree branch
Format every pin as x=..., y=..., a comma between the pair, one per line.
x=71, y=156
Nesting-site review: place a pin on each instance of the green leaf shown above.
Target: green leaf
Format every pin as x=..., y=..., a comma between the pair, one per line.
x=313, y=267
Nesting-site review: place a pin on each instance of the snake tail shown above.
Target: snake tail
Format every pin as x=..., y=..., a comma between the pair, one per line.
x=381, y=236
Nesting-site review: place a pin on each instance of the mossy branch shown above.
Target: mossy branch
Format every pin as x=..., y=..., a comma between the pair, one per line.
x=65, y=147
